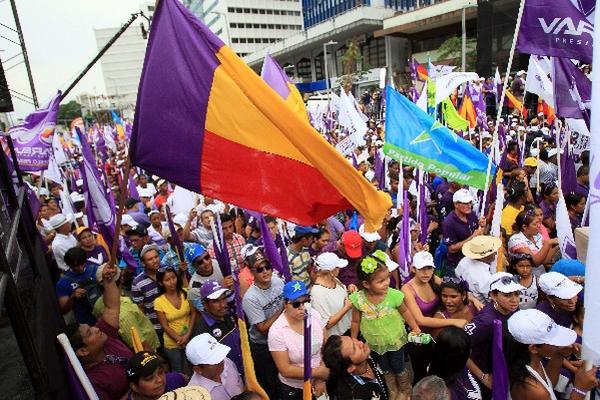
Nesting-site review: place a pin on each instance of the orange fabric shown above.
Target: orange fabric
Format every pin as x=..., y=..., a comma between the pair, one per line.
x=467, y=111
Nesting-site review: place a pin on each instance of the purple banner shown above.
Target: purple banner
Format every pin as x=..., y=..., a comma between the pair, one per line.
x=476, y=96
x=33, y=138
x=572, y=91
x=559, y=28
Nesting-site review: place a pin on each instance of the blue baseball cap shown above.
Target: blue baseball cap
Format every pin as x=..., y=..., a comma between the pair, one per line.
x=300, y=230
x=194, y=251
x=569, y=267
x=294, y=289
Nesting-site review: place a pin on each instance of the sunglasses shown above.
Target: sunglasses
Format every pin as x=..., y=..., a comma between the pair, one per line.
x=297, y=304
x=506, y=280
x=259, y=270
x=202, y=259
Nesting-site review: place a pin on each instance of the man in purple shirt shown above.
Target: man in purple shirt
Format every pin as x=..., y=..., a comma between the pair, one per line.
x=583, y=181
x=460, y=226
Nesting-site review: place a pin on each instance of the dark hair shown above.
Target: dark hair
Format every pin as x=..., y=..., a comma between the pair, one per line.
x=332, y=356
x=225, y=218
x=512, y=145
x=75, y=256
x=130, y=202
x=523, y=218
x=321, y=233
x=583, y=170
x=455, y=286
x=518, y=357
x=573, y=198
x=270, y=220
x=247, y=395
x=515, y=192
x=365, y=276
x=75, y=339
x=160, y=275
x=548, y=189
x=514, y=260
x=451, y=352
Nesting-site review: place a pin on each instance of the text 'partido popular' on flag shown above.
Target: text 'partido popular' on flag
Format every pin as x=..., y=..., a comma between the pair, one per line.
x=225, y=133
x=423, y=142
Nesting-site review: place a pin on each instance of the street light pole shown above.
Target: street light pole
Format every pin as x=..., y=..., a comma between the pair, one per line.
x=464, y=40
x=327, y=85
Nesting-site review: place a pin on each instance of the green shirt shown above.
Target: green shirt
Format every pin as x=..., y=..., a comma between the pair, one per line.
x=299, y=261
x=131, y=315
x=381, y=324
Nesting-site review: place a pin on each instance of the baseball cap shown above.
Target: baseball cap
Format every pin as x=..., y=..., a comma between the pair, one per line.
x=301, y=230
x=127, y=219
x=352, y=243
x=76, y=197
x=144, y=192
x=535, y=327
x=530, y=162
x=368, y=236
x=329, y=261
x=248, y=250
x=81, y=229
x=505, y=283
x=294, y=289
x=211, y=289
x=180, y=219
x=462, y=196
x=569, y=267
x=138, y=230
x=160, y=183
x=142, y=365
x=147, y=248
x=205, y=350
x=423, y=259
x=557, y=284
x=194, y=250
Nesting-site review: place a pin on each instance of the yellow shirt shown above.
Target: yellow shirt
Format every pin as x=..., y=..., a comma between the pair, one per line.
x=509, y=217
x=177, y=318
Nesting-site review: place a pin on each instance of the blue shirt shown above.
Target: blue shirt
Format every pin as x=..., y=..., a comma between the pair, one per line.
x=70, y=281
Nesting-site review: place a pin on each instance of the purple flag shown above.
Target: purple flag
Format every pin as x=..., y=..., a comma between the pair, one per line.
x=568, y=174
x=272, y=252
x=132, y=189
x=174, y=235
x=559, y=28
x=572, y=91
x=500, y=372
x=379, y=170
x=479, y=105
x=275, y=76
x=33, y=138
x=424, y=218
x=404, y=241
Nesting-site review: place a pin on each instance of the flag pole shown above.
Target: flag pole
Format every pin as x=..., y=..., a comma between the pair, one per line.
x=307, y=389
x=502, y=96
x=122, y=192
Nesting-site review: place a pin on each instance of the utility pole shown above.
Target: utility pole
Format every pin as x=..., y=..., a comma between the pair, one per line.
x=24, y=51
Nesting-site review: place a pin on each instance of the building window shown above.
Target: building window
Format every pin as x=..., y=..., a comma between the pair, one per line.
x=235, y=40
x=303, y=69
x=242, y=40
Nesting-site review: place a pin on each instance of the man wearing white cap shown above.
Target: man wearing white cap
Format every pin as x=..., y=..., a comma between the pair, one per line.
x=562, y=295
x=460, y=226
x=212, y=369
x=63, y=240
x=535, y=338
x=371, y=240
x=329, y=295
x=475, y=268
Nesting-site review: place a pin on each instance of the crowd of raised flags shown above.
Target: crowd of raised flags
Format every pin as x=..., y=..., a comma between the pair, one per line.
x=228, y=191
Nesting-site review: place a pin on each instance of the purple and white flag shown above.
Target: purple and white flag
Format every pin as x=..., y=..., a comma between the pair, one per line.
x=563, y=229
x=33, y=138
x=572, y=91
x=559, y=28
x=479, y=104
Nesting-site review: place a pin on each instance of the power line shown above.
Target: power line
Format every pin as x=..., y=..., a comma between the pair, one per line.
x=10, y=40
x=12, y=66
x=8, y=27
x=8, y=59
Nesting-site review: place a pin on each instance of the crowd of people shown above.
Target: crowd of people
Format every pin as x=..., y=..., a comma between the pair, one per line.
x=384, y=324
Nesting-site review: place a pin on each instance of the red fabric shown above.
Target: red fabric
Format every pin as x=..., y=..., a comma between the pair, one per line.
x=289, y=188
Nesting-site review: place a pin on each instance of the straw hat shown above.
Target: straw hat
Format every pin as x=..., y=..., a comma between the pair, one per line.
x=481, y=246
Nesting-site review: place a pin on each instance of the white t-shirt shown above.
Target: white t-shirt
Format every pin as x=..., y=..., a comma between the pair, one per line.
x=520, y=241
x=329, y=302
x=477, y=274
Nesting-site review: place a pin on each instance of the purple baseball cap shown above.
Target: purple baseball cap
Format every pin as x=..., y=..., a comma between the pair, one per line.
x=212, y=290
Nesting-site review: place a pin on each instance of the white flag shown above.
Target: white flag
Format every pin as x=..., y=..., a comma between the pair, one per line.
x=591, y=325
x=422, y=101
x=444, y=85
x=538, y=81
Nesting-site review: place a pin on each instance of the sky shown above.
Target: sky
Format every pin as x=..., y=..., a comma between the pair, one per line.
x=60, y=40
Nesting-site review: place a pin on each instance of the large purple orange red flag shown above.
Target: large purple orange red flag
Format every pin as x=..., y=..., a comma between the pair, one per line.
x=225, y=133
x=275, y=76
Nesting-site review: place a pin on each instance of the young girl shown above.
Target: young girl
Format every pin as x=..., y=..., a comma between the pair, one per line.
x=380, y=313
x=176, y=317
x=521, y=265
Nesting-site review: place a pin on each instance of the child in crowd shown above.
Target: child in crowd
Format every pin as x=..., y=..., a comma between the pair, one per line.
x=380, y=314
x=521, y=265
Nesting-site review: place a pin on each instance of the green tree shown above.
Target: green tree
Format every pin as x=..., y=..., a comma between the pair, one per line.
x=69, y=111
x=353, y=67
x=451, y=50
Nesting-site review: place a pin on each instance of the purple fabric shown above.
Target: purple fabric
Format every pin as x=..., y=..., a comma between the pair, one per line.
x=75, y=386
x=568, y=174
x=222, y=255
x=404, y=241
x=479, y=104
x=174, y=235
x=275, y=76
x=500, y=372
x=464, y=387
x=572, y=91
x=562, y=318
x=132, y=189
x=271, y=250
x=379, y=170
x=424, y=218
x=33, y=138
x=559, y=28
x=412, y=64
x=173, y=95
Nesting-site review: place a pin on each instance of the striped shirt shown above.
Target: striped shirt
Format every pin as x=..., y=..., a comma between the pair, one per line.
x=143, y=291
x=234, y=248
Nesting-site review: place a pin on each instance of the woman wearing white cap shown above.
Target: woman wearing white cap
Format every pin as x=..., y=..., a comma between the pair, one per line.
x=504, y=292
x=535, y=336
x=561, y=297
x=329, y=295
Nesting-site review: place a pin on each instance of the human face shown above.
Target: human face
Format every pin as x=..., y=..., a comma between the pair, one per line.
x=217, y=307
x=137, y=242
x=142, y=180
x=394, y=186
x=203, y=264
x=53, y=205
x=169, y=281
x=424, y=274
x=65, y=229
x=506, y=303
x=263, y=277
x=78, y=269
x=151, y=260
x=567, y=305
x=152, y=386
x=463, y=208
x=355, y=350
x=533, y=228
x=211, y=372
x=452, y=299
x=394, y=169
x=87, y=239
x=155, y=220
x=293, y=312
x=205, y=218
x=322, y=241
x=379, y=282
x=273, y=229
x=523, y=268
x=93, y=338
x=43, y=213
x=228, y=230
x=553, y=197
x=580, y=207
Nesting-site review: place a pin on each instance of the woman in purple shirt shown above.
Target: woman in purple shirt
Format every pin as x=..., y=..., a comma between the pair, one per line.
x=548, y=206
x=561, y=297
x=504, y=292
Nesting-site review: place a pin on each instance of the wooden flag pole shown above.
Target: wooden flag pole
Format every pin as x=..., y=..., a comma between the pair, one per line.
x=117, y=235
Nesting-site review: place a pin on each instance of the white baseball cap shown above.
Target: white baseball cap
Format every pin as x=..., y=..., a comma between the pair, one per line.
x=535, y=327
x=505, y=283
x=76, y=197
x=556, y=284
x=423, y=259
x=180, y=219
x=205, y=350
x=368, y=236
x=329, y=261
x=127, y=219
x=144, y=192
x=462, y=196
